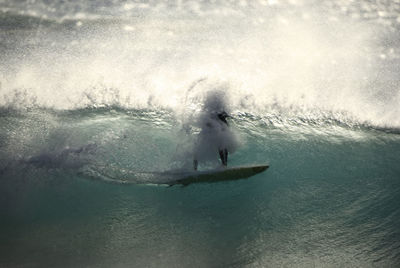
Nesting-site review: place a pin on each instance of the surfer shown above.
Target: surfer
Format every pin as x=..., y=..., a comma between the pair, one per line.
x=213, y=132
x=223, y=152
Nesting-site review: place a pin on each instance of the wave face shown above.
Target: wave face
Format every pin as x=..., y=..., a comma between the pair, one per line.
x=88, y=89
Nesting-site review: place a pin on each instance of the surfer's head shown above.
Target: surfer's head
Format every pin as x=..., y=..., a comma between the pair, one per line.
x=222, y=116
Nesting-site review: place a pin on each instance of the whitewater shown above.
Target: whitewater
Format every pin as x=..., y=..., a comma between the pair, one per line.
x=92, y=92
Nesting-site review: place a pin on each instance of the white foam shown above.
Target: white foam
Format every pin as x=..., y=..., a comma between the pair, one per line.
x=286, y=61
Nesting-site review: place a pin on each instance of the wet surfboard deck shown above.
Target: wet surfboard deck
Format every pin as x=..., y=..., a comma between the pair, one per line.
x=176, y=177
x=220, y=174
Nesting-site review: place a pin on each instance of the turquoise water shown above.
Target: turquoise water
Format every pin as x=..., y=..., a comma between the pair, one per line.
x=88, y=89
x=329, y=198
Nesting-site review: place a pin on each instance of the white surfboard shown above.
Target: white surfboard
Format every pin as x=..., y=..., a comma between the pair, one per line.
x=176, y=177
x=220, y=174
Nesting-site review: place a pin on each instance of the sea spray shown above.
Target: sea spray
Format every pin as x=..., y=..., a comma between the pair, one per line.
x=313, y=89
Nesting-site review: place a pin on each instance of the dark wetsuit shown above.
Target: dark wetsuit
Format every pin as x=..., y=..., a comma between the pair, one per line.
x=223, y=152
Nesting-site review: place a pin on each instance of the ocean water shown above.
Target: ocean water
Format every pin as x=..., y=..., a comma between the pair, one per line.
x=115, y=87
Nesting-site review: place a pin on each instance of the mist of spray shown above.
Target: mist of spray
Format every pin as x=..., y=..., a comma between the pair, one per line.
x=211, y=134
x=310, y=61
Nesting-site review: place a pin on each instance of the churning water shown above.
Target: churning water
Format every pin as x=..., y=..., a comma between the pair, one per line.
x=118, y=86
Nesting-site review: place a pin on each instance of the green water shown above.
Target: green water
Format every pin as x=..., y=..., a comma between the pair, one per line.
x=327, y=200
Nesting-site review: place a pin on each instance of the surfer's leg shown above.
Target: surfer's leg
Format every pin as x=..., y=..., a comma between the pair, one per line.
x=195, y=163
x=222, y=156
x=226, y=156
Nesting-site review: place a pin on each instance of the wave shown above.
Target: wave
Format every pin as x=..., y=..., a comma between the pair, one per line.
x=75, y=139
x=88, y=89
x=161, y=64
x=273, y=118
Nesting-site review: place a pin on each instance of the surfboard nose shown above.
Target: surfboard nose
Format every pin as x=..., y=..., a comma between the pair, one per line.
x=260, y=168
